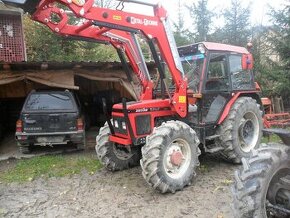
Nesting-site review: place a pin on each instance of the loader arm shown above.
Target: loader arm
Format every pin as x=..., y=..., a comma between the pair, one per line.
x=121, y=41
x=112, y=24
x=154, y=28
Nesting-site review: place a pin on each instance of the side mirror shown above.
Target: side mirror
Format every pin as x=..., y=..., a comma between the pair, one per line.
x=247, y=62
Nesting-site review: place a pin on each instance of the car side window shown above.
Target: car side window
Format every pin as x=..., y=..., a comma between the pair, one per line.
x=241, y=79
x=217, y=75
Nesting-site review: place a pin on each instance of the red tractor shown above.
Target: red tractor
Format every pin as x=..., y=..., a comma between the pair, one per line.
x=206, y=98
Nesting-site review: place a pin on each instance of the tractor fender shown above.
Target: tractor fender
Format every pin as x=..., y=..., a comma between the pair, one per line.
x=235, y=96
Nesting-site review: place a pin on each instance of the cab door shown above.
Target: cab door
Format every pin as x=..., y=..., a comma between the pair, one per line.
x=216, y=87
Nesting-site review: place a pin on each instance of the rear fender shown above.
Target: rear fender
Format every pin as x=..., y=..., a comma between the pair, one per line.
x=253, y=94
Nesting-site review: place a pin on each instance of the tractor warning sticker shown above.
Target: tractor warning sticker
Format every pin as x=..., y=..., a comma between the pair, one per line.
x=182, y=99
x=116, y=17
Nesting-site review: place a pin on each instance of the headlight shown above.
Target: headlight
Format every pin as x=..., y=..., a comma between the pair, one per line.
x=116, y=124
x=124, y=126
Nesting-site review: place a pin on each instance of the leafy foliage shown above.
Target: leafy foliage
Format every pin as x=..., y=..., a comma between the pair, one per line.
x=237, y=24
x=181, y=34
x=202, y=18
x=43, y=45
x=275, y=71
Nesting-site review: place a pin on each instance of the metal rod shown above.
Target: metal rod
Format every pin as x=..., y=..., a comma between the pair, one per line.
x=125, y=64
x=277, y=207
x=105, y=110
x=140, y=2
x=142, y=59
x=159, y=66
x=84, y=26
x=102, y=30
x=125, y=112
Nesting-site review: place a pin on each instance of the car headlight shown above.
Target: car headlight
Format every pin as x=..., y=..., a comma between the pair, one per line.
x=124, y=126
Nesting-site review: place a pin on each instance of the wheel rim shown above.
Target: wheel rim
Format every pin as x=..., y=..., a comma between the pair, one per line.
x=121, y=152
x=278, y=194
x=249, y=131
x=177, y=158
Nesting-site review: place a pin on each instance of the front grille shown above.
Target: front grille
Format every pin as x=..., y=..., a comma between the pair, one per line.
x=117, y=124
x=143, y=126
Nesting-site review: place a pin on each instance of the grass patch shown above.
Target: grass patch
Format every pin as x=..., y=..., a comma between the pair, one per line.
x=271, y=138
x=49, y=166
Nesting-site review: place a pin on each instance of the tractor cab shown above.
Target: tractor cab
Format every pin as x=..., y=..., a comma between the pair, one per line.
x=217, y=67
x=215, y=72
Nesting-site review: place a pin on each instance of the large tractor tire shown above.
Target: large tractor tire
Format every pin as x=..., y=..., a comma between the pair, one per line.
x=170, y=156
x=113, y=156
x=262, y=185
x=241, y=131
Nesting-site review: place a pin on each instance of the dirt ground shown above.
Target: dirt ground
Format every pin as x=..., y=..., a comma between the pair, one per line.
x=107, y=194
x=119, y=194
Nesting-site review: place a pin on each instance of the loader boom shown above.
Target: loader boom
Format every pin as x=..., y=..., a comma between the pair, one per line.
x=123, y=25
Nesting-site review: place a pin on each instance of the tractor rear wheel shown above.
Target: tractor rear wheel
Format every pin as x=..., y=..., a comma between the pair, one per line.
x=114, y=156
x=170, y=156
x=241, y=131
x=262, y=185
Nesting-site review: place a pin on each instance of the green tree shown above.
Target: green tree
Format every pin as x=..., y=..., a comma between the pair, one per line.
x=278, y=75
x=181, y=34
x=44, y=45
x=202, y=18
x=237, y=24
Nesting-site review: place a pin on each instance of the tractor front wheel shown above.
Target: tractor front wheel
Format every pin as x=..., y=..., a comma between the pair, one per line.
x=241, y=131
x=170, y=156
x=114, y=156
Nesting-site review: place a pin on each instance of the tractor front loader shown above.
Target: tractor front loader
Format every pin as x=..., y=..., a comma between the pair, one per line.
x=206, y=98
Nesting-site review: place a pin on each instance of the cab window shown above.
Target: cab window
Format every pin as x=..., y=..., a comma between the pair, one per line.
x=217, y=73
x=241, y=79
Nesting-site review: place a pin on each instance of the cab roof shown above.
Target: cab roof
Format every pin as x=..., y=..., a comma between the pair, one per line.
x=225, y=47
x=212, y=46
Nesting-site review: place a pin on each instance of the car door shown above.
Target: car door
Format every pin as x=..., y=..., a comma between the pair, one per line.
x=216, y=87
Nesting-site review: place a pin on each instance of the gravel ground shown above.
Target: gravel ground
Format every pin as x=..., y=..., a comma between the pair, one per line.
x=119, y=194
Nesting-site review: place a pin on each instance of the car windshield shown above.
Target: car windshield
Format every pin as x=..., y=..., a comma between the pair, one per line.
x=49, y=101
x=192, y=66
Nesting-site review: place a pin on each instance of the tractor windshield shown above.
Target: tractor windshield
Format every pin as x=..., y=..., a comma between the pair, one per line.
x=192, y=66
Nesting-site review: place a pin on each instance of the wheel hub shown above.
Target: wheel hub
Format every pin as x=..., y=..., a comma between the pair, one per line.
x=176, y=158
x=248, y=131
